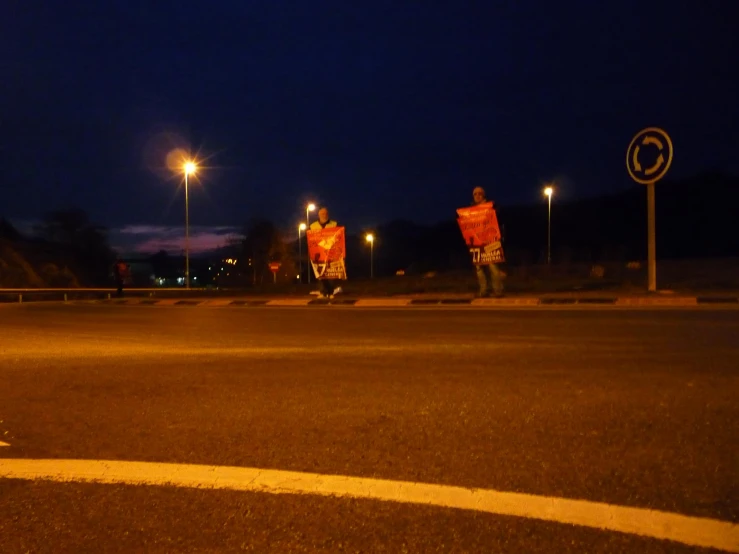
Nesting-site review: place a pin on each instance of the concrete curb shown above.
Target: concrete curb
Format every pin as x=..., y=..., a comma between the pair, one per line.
x=513, y=301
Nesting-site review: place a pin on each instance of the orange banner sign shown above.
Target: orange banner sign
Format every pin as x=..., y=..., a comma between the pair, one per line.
x=479, y=226
x=327, y=250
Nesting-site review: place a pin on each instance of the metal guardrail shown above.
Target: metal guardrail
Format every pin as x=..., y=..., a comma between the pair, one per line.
x=37, y=294
x=108, y=289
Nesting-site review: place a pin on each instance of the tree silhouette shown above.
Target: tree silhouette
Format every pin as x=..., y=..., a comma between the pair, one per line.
x=263, y=243
x=86, y=241
x=7, y=231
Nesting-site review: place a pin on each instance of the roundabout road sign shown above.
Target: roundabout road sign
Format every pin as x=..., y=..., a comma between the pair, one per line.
x=649, y=155
x=648, y=158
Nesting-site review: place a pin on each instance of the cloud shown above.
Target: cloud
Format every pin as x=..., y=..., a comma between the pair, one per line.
x=25, y=227
x=149, y=239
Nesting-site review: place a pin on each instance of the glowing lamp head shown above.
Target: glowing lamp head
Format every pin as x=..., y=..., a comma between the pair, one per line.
x=302, y=227
x=190, y=168
x=370, y=237
x=311, y=207
x=548, y=191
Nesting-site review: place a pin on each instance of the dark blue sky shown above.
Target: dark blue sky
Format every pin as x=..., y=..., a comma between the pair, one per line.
x=380, y=109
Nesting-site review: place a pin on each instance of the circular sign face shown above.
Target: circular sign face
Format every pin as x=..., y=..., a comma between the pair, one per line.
x=649, y=155
x=274, y=266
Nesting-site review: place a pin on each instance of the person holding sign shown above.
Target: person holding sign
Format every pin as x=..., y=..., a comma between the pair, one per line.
x=479, y=226
x=327, y=284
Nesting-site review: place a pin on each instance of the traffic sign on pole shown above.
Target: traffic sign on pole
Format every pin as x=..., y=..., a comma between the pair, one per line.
x=274, y=267
x=648, y=158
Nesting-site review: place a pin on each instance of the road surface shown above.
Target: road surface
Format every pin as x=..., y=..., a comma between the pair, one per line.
x=624, y=408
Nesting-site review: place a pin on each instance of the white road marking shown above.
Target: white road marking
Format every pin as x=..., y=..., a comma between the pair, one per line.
x=382, y=302
x=52, y=346
x=694, y=531
x=289, y=302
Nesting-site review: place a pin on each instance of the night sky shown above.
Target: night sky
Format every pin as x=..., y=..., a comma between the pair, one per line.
x=381, y=110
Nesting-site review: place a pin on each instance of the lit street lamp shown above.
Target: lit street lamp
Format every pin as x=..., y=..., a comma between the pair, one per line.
x=301, y=227
x=308, y=209
x=371, y=239
x=189, y=168
x=548, y=192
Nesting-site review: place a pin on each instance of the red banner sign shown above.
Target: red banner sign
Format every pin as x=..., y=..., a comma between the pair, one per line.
x=479, y=226
x=327, y=250
x=274, y=267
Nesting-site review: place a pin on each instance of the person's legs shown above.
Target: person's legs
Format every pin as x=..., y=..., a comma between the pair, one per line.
x=482, y=280
x=497, y=277
x=327, y=287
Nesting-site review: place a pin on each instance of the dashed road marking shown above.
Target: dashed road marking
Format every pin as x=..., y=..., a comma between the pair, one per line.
x=689, y=530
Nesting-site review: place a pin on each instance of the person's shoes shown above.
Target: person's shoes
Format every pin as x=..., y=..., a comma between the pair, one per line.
x=337, y=290
x=499, y=295
x=483, y=295
x=316, y=293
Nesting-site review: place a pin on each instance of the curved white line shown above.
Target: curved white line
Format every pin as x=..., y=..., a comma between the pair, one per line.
x=694, y=531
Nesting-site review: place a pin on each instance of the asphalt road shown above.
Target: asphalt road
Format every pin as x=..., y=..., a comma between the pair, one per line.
x=634, y=408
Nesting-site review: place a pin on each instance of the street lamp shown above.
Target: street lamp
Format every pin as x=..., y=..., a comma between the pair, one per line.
x=311, y=207
x=371, y=239
x=301, y=227
x=548, y=192
x=189, y=168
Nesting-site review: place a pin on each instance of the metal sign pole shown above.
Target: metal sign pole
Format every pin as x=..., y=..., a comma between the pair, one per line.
x=660, y=144
x=651, y=239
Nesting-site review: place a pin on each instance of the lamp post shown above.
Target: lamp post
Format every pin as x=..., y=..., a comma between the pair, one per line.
x=189, y=168
x=548, y=192
x=371, y=239
x=301, y=227
x=311, y=207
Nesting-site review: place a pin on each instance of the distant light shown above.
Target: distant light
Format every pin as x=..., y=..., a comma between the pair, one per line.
x=370, y=237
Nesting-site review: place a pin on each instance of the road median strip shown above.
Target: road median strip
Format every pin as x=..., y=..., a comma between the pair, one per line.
x=683, y=301
x=438, y=301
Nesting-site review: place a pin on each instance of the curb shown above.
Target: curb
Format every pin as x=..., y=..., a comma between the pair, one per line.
x=680, y=301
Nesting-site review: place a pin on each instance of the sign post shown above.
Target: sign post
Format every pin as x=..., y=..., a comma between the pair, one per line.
x=274, y=267
x=651, y=145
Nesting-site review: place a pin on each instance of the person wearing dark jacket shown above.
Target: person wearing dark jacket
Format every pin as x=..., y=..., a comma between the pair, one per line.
x=489, y=277
x=120, y=272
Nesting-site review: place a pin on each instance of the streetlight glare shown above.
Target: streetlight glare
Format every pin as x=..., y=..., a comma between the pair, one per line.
x=548, y=192
x=189, y=168
x=370, y=238
x=309, y=208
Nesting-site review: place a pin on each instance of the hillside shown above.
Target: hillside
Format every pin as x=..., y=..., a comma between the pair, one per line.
x=28, y=264
x=697, y=218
